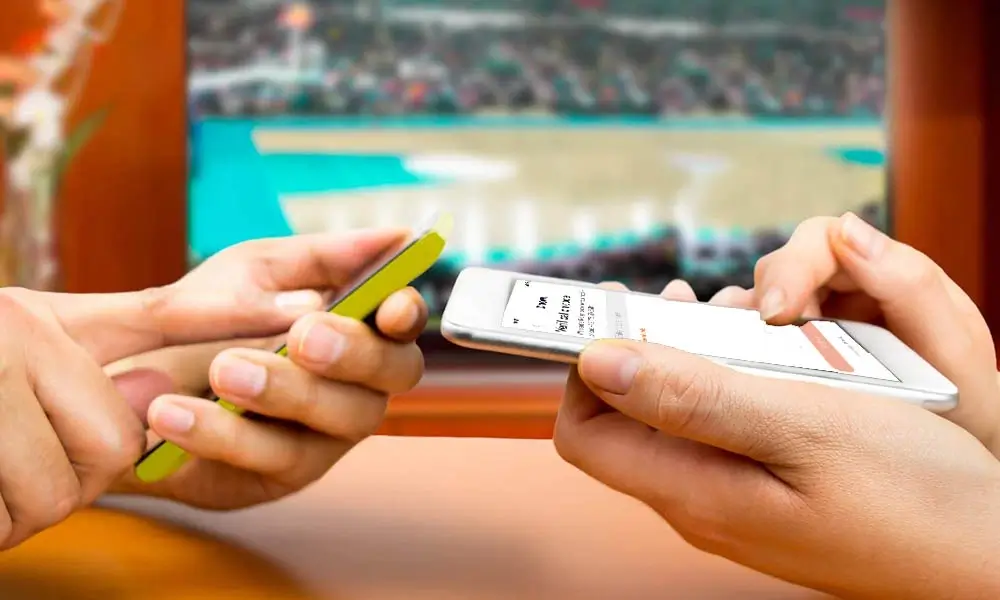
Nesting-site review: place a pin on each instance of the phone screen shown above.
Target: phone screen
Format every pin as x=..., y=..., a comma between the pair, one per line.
x=711, y=331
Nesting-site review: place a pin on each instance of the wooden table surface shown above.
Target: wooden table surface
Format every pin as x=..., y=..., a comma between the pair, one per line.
x=399, y=518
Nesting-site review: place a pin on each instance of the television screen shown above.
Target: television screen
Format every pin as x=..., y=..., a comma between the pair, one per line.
x=629, y=140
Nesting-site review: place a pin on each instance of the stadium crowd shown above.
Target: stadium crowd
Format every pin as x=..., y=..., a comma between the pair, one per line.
x=817, y=57
x=757, y=58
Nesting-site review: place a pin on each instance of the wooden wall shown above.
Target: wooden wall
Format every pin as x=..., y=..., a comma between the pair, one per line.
x=123, y=221
x=123, y=224
x=945, y=195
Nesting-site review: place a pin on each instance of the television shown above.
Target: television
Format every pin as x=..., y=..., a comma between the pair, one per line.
x=628, y=140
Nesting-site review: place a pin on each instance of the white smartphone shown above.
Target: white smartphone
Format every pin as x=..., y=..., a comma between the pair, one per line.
x=554, y=319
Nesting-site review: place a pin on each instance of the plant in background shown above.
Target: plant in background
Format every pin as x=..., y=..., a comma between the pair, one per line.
x=38, y=87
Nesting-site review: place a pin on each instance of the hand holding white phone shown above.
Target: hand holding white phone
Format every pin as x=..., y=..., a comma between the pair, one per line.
x=839, y=491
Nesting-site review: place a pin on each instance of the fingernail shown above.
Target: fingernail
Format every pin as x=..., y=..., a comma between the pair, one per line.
x=610, y=367
x=299, y=300
x=173, y=418
x=238, y=377
x=322, y=344
x=861, y=237
x=772, y=303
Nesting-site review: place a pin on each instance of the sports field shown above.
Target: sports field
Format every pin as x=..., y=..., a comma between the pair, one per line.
x=520, y=185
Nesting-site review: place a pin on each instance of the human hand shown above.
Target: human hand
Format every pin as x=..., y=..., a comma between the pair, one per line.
x=67, y=433
x=844, y=268
x=329, y=394
x=855, y=495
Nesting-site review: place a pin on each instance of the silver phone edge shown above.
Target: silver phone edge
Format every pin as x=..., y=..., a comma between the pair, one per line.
x=569, y=352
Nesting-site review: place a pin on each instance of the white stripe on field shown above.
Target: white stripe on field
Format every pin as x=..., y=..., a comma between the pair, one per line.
x=474, y=231
x=525, y=224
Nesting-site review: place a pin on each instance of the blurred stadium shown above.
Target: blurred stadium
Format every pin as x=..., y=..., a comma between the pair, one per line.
x=636, y=140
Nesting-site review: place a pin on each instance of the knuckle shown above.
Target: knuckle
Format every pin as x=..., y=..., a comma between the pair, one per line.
x=684, y=400
x=65, y=504
x=567, y=444
x=371, y=358
x=764, y=263
x=309, y=402
x=56, y=508
x=367, y=421
x=918, y=272
x=294, y=463
x=15, y=307
x=814, y=226
x=230, y=435
x=14, y=297
x=567, y=439
x=384, y=364
x=155, y=299
x=155, y=303
x=729, y=295
x=118, y=445
x=412, y=369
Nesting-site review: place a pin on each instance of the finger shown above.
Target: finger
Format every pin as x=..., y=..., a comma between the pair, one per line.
x=679, y=290
x=273, y=386
x=38, y=484
x=813, y=309
x=139, y=387
x=921, y=305
x=928, y=312
x=99, y=432
x=346, y=350
x=686, y=482
x=686, y=396
x=187, y=366
x=790, y=279
x=613, y=286
x=733, y=296
x=403, y=316
x=206, y=430
x=193, y=310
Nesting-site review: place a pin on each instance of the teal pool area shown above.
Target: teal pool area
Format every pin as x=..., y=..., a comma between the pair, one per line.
x=235, y=190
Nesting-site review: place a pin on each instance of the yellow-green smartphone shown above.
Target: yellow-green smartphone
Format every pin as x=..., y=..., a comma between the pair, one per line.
x=394, y=270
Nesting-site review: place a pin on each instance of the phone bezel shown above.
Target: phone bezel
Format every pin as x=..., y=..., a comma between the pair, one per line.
x=473, y=314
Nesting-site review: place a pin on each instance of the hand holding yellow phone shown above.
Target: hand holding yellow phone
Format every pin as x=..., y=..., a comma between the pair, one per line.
x=395, y=270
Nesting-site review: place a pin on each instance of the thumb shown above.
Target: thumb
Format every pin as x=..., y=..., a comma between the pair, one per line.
x=689, y=397
x=139, y=387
